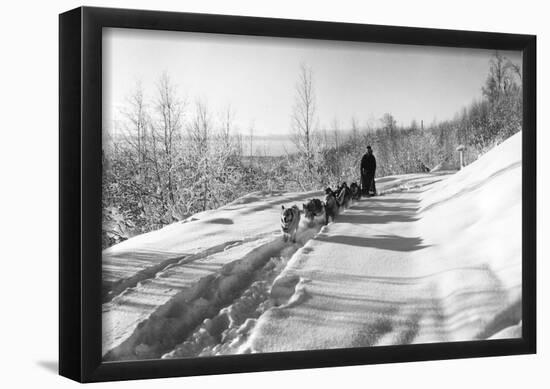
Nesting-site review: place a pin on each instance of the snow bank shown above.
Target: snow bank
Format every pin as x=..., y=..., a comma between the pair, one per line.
x=472, y=222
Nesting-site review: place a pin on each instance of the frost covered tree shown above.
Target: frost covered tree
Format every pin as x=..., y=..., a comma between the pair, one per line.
x=137, y=122
x=503, y=92
x=199, y=134
x=303, y=121
x=166, y=133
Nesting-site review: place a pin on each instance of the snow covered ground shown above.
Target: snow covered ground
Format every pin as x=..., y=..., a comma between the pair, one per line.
x=436, y=257
x=246, y=219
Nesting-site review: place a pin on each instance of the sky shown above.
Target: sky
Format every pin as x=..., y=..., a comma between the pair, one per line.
x=257, y=77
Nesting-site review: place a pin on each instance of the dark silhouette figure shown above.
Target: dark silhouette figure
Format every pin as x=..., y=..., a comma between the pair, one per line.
x=368, y=170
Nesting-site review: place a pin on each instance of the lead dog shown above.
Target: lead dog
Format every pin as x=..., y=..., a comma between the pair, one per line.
x=290, y=219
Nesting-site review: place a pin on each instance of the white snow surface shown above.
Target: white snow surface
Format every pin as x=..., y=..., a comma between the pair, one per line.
x=436, y=257
x=441, y=263
x=246, y=217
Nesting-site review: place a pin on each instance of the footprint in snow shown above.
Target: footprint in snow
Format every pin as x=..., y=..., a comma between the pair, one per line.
x=288, y=291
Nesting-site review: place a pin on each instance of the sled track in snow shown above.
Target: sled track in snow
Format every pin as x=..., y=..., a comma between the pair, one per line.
x=112, y=290
x=215, y=315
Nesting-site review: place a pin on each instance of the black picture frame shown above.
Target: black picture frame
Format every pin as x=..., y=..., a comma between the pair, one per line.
x=80, y=120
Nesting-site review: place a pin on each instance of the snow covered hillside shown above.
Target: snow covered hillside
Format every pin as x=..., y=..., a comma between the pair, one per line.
x=436, y=257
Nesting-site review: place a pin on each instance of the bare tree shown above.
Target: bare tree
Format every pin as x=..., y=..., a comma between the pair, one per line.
x=303, y=116
x=199, y=137
x=239, y=148
x=336, y=135
x=388, y=122
x=227, y=119
x=136, y=124
x=251, y=139
x=166, y=131
x=354, y=135
x=137, y=116
x=501, y=78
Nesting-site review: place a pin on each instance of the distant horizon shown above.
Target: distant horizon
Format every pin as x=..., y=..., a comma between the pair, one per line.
x=256, y=77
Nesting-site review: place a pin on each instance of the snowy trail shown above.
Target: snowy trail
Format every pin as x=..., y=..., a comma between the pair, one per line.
x=353, y=299
x=383, y=290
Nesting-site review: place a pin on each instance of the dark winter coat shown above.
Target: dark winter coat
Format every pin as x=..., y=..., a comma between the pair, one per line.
x=368, y=163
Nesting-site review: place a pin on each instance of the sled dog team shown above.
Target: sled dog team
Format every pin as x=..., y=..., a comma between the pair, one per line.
x=328, y=210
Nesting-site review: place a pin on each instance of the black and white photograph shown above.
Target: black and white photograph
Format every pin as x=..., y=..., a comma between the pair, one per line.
x=291, y=194
x=265, y=194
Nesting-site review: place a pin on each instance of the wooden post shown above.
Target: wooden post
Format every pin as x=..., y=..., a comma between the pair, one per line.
x=461, y=149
